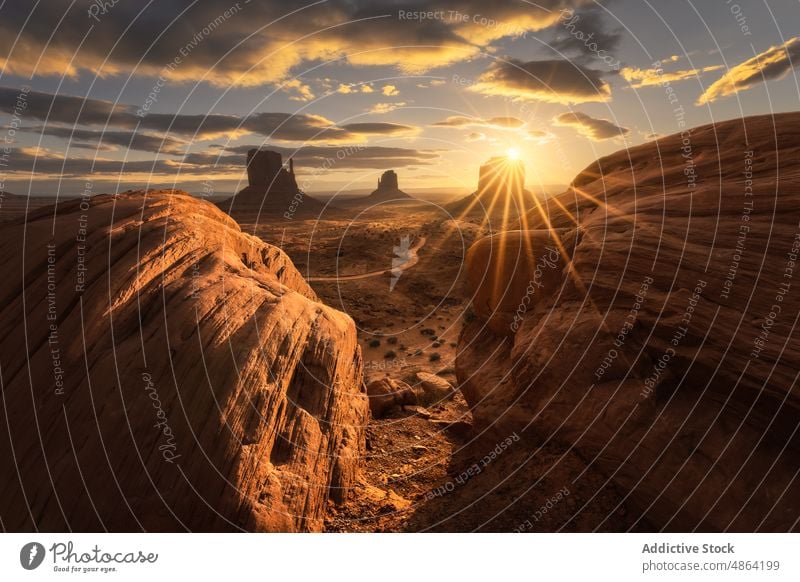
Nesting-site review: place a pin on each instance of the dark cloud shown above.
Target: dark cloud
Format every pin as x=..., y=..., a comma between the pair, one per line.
x=586, y=34
x=100, y=140
x=228, y=42
x=553, y=81
x=591, y=127
x=78, y=111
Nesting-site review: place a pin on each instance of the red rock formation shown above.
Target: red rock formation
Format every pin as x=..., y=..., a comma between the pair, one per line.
x=388, y=181
x=388, y=190
x=164, y=371
x=665, y=352
x=271, y=191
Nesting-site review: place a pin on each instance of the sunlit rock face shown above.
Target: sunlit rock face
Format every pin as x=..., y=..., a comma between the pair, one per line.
x=164, y=371
x=664, y=352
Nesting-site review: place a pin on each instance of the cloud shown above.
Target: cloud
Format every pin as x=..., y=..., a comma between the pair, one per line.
x=475, y=136
x=77, y=111
x=639, y=78
x=298, y=91
x=552, y=81
x=102, y=140
x=586, y=34
x=773, y=63
x=381, y=108
x=249, y=43
x=379, y=128
x=539, y=136
x=313, y=158
x=347, y=89
x=494, y=122
x=591, y=127
x=390, y=90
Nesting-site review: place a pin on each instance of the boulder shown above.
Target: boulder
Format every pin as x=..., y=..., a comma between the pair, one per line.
x=176, y=374
x=386, y=393
x=665, y=353
x=432, y=389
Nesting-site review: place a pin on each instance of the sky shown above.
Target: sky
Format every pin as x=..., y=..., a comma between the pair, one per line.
x=107, y=96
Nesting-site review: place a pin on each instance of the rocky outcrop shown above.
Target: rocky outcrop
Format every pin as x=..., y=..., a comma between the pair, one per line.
x=164, y=371
x=431, y=389
x=271, y=192
x=387, y=394
x=664, y=352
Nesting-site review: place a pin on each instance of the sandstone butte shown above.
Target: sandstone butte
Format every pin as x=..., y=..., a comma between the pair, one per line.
x=658, y=339
x=190, y=381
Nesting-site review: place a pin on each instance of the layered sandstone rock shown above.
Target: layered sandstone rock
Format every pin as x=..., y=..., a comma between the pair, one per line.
x=665, y=351
x=164, y=371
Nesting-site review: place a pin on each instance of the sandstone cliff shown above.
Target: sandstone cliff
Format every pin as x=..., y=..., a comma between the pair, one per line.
x=645, y=319
x=164, y=371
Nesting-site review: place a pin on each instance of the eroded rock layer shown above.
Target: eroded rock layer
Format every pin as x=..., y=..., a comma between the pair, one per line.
x=164, y=371
x=665, y=351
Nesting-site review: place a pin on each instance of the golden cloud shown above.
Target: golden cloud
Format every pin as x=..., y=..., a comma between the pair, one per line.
x=639, y=78
x=773, y=63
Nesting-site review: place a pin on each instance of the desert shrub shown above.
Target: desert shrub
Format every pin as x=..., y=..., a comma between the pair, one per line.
x=434, y=357
x=469, y=314
x=390, y=355
x=374, y=343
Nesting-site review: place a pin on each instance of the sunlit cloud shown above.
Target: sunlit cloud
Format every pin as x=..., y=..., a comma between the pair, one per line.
x=298, y=91
x=539, y=136
x=591, y=127
x=639, y=78
x=390, y=90
x=381, y=108
x=493, y=122
x=773, y=63
x=551, y=81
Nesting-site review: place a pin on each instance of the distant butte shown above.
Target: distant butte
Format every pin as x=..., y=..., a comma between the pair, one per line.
x=501, y=191
x=271, y=191
x=388, y=190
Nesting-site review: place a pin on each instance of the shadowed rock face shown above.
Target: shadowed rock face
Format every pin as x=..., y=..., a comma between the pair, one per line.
x=265, y=172
x=388, y=181
x=664, y=353
x=388, y=189
x=271, y=192
x=164, y=371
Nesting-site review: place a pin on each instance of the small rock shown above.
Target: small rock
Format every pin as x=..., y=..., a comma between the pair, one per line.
x=432, y=388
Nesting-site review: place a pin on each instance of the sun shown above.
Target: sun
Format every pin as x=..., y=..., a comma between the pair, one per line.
x=512, y=153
